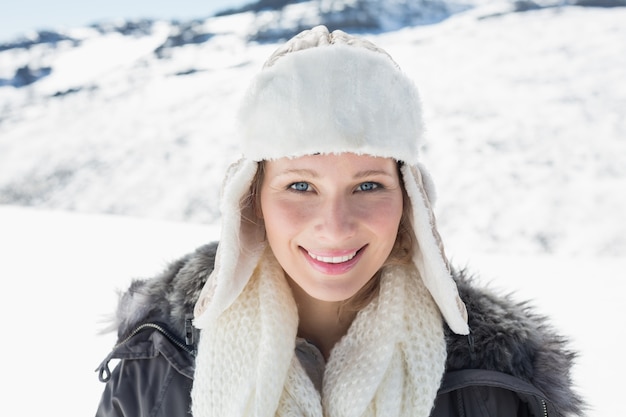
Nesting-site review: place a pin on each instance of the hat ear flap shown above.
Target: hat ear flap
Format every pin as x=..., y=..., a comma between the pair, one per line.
x=427, y=185
x=428, y=255
x=242, y=241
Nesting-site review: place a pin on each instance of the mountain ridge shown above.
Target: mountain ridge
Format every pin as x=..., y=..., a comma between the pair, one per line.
x=524, y=113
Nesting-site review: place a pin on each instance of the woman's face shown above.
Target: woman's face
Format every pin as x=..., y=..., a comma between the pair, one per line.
x=331, y=220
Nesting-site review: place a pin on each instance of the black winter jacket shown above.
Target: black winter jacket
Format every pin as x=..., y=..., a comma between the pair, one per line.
x=512, y=364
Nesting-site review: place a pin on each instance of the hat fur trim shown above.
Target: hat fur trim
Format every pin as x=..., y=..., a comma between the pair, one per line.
x=242, y=241
x=428, y=254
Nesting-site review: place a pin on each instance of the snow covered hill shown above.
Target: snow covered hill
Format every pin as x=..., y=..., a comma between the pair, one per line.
x=525, y=111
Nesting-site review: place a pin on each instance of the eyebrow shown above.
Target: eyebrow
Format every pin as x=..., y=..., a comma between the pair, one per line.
x=371, y=173
x=299, y=172
x=313, y=174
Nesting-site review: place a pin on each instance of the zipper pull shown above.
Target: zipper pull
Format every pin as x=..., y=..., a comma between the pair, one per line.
x=189, y=330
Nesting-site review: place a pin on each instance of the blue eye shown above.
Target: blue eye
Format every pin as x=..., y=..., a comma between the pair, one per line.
x=368, y=186
x=300, y=186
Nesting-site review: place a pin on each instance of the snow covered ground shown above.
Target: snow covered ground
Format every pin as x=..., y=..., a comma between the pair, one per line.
x=526, y=117
x=61, y=271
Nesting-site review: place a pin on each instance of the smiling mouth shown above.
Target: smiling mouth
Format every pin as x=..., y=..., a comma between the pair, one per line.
x=334, y=259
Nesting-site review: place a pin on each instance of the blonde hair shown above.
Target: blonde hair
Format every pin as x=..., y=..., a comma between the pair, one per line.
x=400, y=253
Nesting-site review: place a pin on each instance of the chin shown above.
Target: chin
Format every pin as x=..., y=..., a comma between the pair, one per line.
x=332, y=295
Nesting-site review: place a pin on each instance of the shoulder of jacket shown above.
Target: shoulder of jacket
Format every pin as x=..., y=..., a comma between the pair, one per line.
x=509, y=336
x=168, y=297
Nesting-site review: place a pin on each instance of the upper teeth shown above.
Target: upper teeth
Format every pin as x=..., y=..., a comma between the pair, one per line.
x=333, y=259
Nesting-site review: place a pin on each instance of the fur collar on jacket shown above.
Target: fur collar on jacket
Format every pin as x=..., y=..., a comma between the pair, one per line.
x=507, y=336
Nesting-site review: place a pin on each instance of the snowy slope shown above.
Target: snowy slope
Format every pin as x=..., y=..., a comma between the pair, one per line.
x=61, y=271
x=525, y=114
x=527, y=120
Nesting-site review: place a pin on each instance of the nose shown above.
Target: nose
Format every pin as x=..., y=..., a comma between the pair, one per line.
x=337, y=219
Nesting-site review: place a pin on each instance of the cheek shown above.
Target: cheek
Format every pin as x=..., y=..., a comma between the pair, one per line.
x=383, y=216
x=282, y=218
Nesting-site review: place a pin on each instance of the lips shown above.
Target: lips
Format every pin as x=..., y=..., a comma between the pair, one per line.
x=335, y=262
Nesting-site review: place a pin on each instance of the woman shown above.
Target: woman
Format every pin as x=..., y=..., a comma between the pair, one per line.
x=330, y=293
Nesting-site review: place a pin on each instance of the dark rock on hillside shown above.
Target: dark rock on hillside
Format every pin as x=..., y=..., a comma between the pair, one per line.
x=39, y=37
x=26, y=75
x=189, y=71
x=187, y=33
x=74, y=90
x=355, y=16
x=599, y=3
x=258, y=6
x=139, y=27
x=371, y=15
x=525, y=5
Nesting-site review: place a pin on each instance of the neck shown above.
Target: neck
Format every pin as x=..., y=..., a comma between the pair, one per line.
x=322, y=323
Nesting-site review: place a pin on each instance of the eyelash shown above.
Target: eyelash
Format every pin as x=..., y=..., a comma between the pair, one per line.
x=374, y=186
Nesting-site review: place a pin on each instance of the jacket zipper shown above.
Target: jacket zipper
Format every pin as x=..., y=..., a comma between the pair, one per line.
x=161, y=330
x=544, y=406
x=103, y=369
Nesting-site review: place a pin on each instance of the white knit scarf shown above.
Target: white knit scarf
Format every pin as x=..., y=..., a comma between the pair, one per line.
x=389, y=363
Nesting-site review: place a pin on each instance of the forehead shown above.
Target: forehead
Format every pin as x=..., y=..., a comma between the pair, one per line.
x=332, y=162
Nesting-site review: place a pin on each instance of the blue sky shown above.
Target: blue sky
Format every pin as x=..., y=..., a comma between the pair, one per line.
x=18, y=17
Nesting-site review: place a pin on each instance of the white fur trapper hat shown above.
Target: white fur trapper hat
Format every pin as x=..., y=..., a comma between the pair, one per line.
x=327, y=93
